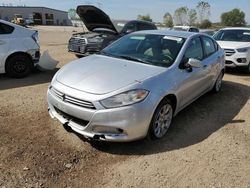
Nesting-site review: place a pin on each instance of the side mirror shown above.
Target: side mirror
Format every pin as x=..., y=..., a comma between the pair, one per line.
x=194, y=63
x=128, y=31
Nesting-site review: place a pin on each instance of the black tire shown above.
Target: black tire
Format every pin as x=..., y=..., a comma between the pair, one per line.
x=155, y=122
x=248, y=69
x=79, y=56
x=218, y=82
x=19, y=66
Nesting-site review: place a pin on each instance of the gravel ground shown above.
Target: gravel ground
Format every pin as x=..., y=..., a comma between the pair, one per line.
x=207, y=146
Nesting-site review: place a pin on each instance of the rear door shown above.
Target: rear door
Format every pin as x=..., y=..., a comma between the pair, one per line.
x=5, y=35
x=212, y=57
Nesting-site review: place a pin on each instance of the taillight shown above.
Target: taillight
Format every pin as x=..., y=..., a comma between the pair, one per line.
x=35, y=37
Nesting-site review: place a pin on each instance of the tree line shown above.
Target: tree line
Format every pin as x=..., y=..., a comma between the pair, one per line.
x=199, y=16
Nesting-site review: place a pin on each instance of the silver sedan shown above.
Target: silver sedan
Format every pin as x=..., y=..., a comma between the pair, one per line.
x=135, y=86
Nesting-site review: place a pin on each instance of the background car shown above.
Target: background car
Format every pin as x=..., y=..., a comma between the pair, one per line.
x=19, y=49
x=236, y=44
x=136, y=85
x=186, y=28
x=101, y=31
x=210, y=32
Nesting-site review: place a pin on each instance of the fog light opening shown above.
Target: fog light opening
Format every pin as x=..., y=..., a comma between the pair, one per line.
x=119, y=130
x=98, y=137
x=241, y=60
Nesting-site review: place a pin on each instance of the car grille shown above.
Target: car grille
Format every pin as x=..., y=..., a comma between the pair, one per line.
x=77, y=45
x=229, y=52
x=77, y=41
x=72, y=118
x=72, y=100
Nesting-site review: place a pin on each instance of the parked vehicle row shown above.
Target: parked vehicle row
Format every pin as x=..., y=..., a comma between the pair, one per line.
x=138, y=80
x=19, y=49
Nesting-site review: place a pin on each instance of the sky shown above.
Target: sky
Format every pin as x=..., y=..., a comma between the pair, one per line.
x=129, y=9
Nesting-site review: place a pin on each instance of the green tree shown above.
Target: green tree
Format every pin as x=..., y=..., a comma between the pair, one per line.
x=145, y=17
x=192, y=17
x=205, y=24
x=168, y=20
x=180, y=16
x=203, y=9
x=233, y=18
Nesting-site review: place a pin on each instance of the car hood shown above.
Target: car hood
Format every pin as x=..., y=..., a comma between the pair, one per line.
x=98, y=74
x=233, y=45
x=94, y=18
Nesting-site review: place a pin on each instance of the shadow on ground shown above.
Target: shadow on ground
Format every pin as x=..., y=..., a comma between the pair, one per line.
x=37, y=77
x=237, y=71
x=191, y=126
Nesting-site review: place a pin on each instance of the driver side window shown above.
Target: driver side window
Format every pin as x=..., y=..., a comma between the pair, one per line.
x=194, y=50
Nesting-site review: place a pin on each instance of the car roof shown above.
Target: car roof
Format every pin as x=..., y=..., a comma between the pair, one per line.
x=142, y=21
x=11, y=24
x=236, y=28
x=16, y=26
x=182, y=34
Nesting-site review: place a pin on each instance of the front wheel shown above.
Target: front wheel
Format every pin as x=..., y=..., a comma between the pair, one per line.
x=161, y=120
x=248, y=69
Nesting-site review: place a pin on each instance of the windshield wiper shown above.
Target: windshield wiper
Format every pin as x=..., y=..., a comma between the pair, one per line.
x=132, y=59
x=105, y=53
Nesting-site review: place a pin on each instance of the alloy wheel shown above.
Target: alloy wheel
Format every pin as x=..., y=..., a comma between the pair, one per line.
x=163, y=120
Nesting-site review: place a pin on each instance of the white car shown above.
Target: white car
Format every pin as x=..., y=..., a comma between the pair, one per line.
x=185, y=28
x=236, y=44
x=19, y=49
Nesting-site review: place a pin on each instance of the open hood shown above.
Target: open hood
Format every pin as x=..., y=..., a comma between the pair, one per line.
x=94, y=18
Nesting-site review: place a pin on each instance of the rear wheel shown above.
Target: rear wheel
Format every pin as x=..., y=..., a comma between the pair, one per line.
x=217, y=85
x=248, y=69
x=161, y=120
x=19, y=66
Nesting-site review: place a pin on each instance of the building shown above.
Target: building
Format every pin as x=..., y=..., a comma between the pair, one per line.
x=39, y=15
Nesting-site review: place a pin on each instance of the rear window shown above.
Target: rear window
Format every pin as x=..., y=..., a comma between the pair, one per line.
x=6, y=29
x=143, y=26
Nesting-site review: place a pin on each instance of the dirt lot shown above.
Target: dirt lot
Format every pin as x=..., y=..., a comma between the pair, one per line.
x=207, y=146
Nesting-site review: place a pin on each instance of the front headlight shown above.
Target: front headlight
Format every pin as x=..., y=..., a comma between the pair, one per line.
x=242, y=50
x=95, y=40
x=125, y=99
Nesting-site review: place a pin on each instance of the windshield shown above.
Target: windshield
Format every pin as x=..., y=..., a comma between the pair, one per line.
x=233, y=35
x=158, y=50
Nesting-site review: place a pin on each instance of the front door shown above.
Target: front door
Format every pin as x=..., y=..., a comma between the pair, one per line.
x=192, y=80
